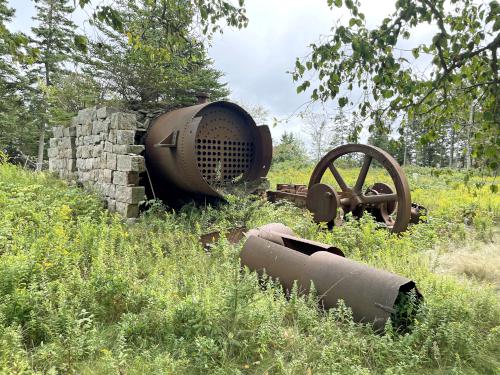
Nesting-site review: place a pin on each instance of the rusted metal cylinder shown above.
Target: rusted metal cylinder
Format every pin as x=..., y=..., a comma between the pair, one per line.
x=203, y=149
x=277, y=261
x=372, y=294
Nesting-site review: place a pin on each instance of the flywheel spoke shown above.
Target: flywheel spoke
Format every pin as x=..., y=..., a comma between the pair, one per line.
x=367, y=161
x=338, y=177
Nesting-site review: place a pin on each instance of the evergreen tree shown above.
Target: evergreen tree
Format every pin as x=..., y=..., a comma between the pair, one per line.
x=157, y=61
x=395, y=147
x=13, y=85
x=8, y=74
x=444, y=142
x=341, y=130
x=379, y=137
x=54, y=38
x=289, y=148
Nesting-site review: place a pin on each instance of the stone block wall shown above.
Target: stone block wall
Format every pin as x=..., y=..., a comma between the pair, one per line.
x=101, y=149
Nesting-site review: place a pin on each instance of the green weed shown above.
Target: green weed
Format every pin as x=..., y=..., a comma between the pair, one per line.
x=83, y=292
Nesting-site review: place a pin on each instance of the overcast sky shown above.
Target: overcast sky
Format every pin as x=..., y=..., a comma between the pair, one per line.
x=255, y=60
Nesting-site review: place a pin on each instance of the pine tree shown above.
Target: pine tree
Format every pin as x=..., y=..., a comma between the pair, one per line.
x=157, y=61
x=13, y=85
x=8, y=72
x=340, y=130
x=54, y=37
x=289, y=148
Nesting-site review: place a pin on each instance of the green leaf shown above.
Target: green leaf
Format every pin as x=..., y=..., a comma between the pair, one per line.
x=111, y=17
x=386, y=94
x=337, y=3
x=299, y=67
x=343, y=101
x=303, y=86
x=355, y=45
x=415, y=52
x=334, y=77
x=314, y=95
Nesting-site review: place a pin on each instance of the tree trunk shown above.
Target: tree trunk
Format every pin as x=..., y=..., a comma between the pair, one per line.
x=452, y=147
x=41, y=147
x=405, y=150
x=469, y=128
x=41, y=139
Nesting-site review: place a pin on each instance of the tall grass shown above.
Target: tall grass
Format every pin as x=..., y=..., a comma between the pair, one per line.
x=83, y=292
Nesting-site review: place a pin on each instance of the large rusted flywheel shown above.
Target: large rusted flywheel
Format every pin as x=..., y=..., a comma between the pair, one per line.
x=394, y=208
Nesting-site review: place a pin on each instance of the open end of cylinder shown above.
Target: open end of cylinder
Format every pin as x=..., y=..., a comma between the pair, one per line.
x=307, y=247
x=225, y=146
x=406, y=307
x=282, y=235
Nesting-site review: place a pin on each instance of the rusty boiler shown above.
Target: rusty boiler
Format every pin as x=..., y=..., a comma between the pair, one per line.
x=203, y=150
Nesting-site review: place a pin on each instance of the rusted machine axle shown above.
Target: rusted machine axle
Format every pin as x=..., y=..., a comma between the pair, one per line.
x=373, y=295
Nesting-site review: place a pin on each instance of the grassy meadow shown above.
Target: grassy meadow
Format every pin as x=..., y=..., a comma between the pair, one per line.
x=83, y=292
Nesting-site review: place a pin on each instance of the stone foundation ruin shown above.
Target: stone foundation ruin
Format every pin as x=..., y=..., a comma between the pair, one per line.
x=102, y=150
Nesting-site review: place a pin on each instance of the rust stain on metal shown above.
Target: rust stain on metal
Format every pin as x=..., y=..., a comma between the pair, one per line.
x=381, y=211
x=372, y=294
x=202, y=149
